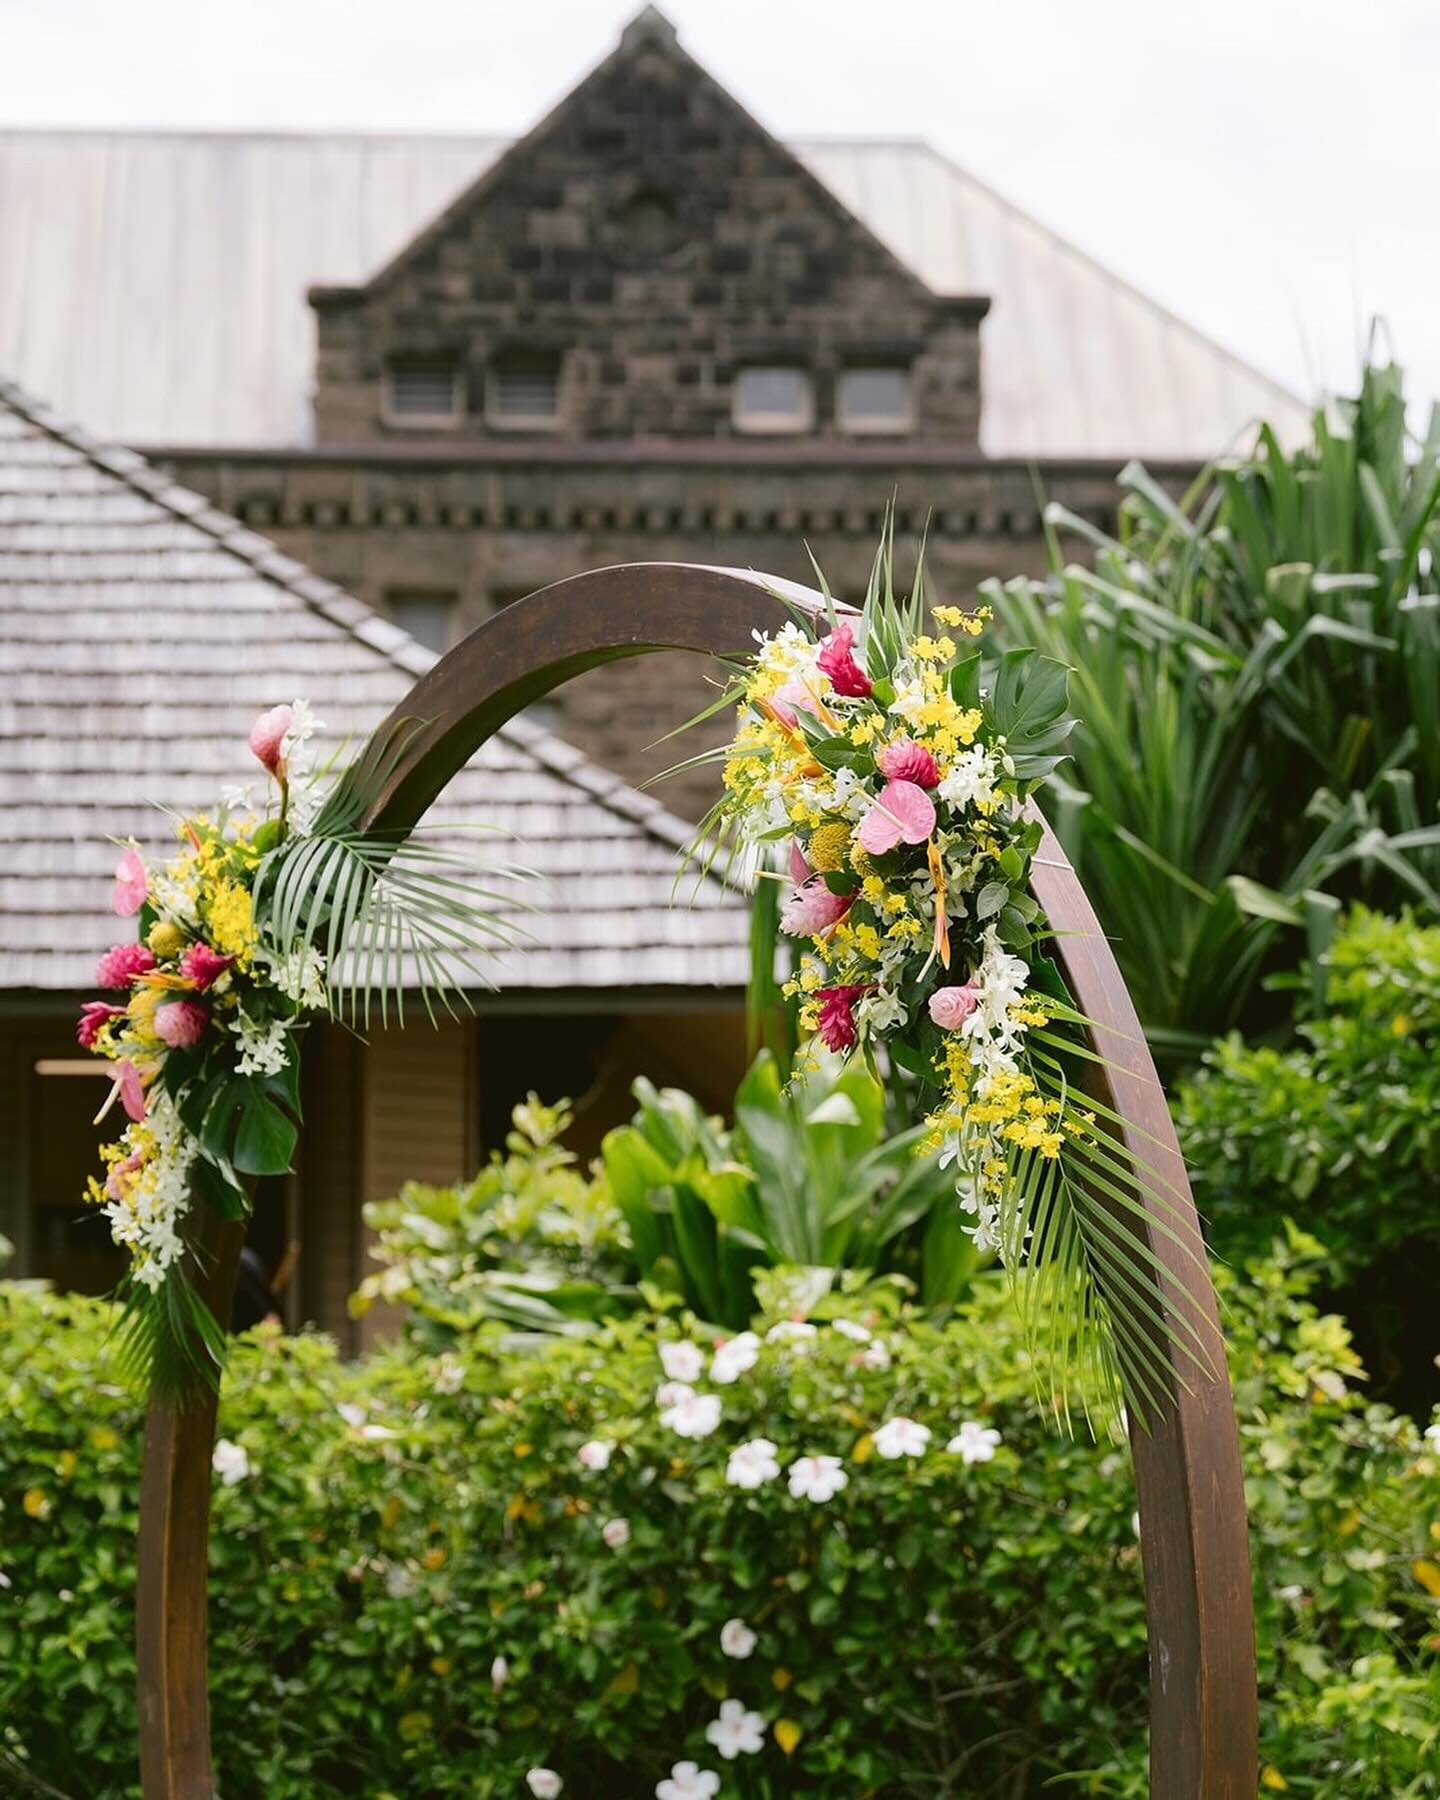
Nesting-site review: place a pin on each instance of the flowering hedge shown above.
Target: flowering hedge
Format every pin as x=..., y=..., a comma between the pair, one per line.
x=840, y=1560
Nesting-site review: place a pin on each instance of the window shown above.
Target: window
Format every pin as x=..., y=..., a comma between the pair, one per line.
x=875, y=400
x=428, y=614
x=774, y=399
x=523, y=393
x=423, y=390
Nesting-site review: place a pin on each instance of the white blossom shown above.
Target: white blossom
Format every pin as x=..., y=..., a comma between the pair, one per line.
x=1330, y=1382
x=688, y=1781
x=817, y=1478
x=230, y=1462
x=352, y=1413
x=671, y=1393
x=799, y=1334
x=616, y=1534
x=544, y=1784
x=499, y=1673
x=1432, y=1435
x=683, y=1361
x=150, y=1200
x=736, y=1732
x=875, y=1355
x=596, y=1454
x=264, y=1049
x=970, y=779
x=693, y=1415
x=752, y=1464
x=737, y=1639
x=857, y=1333
x=447, y=1376
x=901, y=1437
x=974, y=1442
x=734, y=1357
x=400, y=1584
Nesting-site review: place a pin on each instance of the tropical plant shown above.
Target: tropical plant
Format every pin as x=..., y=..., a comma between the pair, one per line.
x=431, y=1575
x=809, y=1177
x=1257, y=679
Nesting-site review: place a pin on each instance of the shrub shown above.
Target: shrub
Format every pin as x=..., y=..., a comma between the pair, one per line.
x=936, y=1627
x=1257, y=677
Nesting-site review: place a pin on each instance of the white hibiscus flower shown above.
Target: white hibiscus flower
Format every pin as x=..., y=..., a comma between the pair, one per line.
x=596, y=1454
x=734, y=1357
x=688, y=1781
x=693, y=1415
x=230, y=1462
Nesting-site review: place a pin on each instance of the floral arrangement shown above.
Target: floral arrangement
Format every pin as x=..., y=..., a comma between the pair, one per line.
x=242, y=935
x=888, y=768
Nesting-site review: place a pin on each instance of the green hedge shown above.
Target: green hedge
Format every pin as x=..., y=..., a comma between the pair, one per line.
x=938, y=1627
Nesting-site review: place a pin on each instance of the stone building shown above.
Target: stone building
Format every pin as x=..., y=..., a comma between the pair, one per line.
x=446, y=371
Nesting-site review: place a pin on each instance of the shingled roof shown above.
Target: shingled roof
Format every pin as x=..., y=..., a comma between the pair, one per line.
x=141, y=630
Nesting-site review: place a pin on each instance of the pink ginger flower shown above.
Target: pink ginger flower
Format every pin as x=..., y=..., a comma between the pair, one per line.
x=132, y=884
x=904, y=813
x=837, y=660
x=812, y=908
x=204, y=966
x=93, y=1015
x=950, y=1007
x=267, y=738
x=181, y=1023
x=122, y=965
x=905, y=760
x=836, y=1026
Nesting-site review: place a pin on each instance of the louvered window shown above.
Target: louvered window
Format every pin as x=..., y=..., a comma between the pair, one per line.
x=524, y=391
x=423, y=390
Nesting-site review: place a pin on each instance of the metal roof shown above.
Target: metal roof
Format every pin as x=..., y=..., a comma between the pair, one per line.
x=141, y=631
x=154, y=284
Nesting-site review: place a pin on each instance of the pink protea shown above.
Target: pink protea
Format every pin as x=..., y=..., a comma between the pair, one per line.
x=123, y=964
x=837, y=660
x=204, y=966
x=836, y=1027
x=905, y=760
x=904, y=813
x=181, y=1023
x=267, y=737
x=94, y=1015
x=950, y=1007
x=812, y=908
x=132, y=884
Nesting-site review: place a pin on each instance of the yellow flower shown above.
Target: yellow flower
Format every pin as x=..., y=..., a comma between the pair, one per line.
x=1270, y=1777
x=103, y=1438
x=867, y=941
x=787, y=1734
x=232, y=921
x=829, y=845
x=1401, y=1025
x=872, y=888
x=165, y=939
x=948, y=615
x=35, y=1504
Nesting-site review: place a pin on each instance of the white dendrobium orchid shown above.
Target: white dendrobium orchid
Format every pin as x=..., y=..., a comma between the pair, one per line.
x=230, y=1462
x=544, y=1784
x=857, y=1333
x=752, y=1464
x=737, y=1639
x=734, y=1357
x=596, y=1454
x=682, y=1361
x=901, y=1437
x=799, y=1334
x=736, y=1732
x=616, y=1534
x=693, y=1415
x=817, y=1478
x=974, y=1442
x=688, y=1781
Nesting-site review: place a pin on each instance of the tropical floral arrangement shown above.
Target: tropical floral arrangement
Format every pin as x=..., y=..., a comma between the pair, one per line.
x=272, y=910
x=886, y=766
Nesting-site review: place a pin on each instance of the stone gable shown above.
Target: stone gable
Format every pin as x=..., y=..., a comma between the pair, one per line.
x=643, y=246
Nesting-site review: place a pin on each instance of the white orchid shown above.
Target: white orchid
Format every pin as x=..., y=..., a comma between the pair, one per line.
x=752, y=1464
x=734, y=1357
x=974, y=1443
x=901, y=1437
x=737, y=1639
x=736, y=1732
x=693, y=1415
x=682, y=1361
x=817, y=1478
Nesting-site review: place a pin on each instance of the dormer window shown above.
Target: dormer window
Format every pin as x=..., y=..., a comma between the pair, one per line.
x=875, y=399
x=522, y=393
x=423, y=390
x=773, y=398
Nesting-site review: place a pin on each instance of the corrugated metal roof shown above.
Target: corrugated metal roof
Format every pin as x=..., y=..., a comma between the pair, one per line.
x=154, y=284
x=141, y=631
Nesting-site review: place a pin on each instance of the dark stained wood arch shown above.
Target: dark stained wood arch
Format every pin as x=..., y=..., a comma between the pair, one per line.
x=1193, y=1539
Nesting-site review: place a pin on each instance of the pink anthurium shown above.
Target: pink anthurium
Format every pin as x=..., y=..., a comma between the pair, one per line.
x=132, y=885
x=904, y=814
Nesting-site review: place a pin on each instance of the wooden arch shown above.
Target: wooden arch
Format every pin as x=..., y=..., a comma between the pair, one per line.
x=1187, y=1467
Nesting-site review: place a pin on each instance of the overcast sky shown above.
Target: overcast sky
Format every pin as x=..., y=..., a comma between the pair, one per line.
x=1268, y=168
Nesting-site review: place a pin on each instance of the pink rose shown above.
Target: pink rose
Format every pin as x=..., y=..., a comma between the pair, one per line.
x=836, y=1027
x=813, y=908
x=123, y=964
x=132, y=885
x=950, y=1007
x=837, y=660
x=905, y=760
x=181, y=1023
x=267, y=735
x=93, y=1015
x=904, y=813
x=204, y=966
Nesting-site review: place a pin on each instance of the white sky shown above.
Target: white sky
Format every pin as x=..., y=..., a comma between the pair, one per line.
x=1268, y=168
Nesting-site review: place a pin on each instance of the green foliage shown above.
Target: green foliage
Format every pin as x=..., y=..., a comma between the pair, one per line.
x=530, y=1242
x=1342, y=1129
x=1257, y=676
x=936, y=1628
